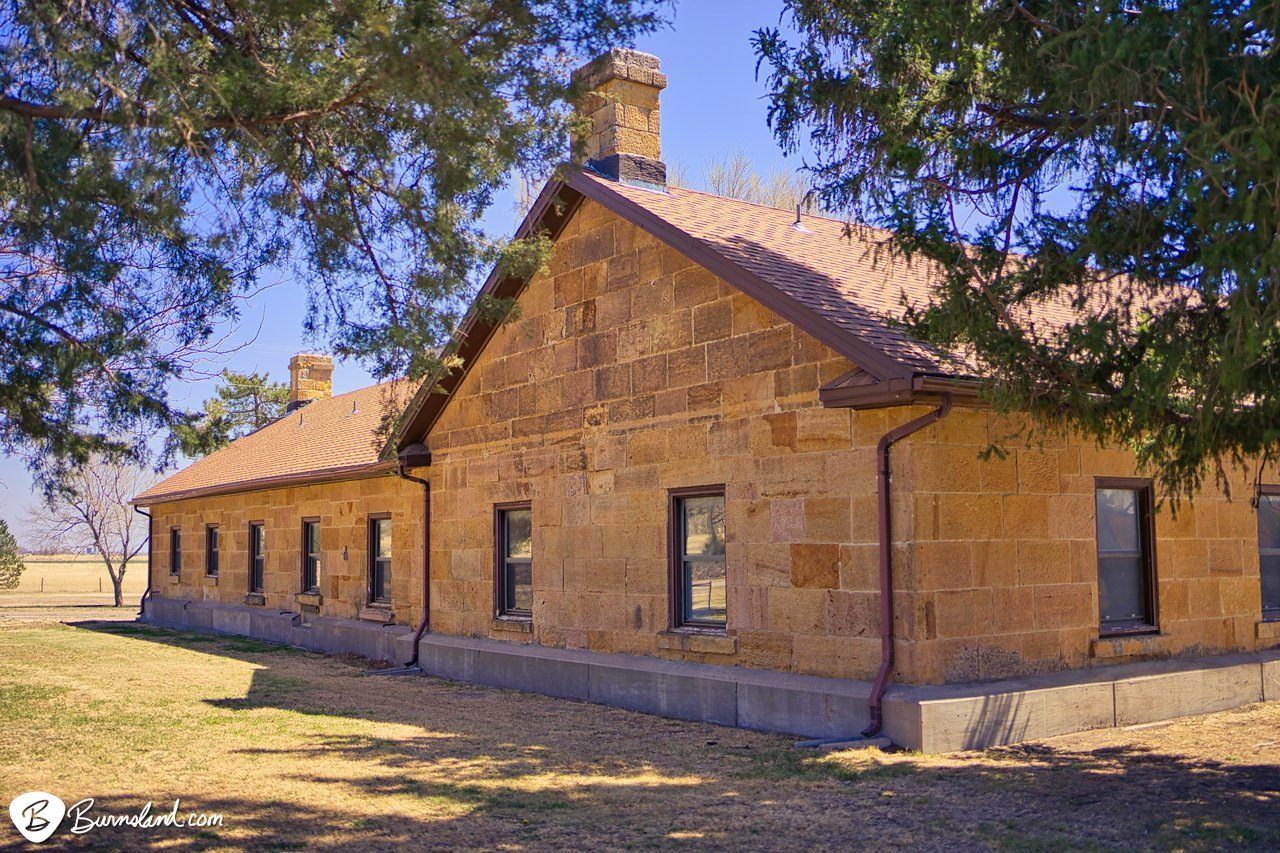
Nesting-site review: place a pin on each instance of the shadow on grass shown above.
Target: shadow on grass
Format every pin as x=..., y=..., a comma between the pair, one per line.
x=481, y=767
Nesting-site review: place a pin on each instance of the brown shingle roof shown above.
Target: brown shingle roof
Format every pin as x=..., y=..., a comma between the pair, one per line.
x=335, y=436
x=851, y=282
x=839, y=290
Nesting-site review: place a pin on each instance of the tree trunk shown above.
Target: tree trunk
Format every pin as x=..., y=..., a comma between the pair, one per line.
x=118, y=584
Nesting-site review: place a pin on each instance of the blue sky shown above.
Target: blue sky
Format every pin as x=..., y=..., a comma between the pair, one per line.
x=713, y=104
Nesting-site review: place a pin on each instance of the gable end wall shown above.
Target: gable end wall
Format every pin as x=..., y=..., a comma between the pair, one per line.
x=633, y=371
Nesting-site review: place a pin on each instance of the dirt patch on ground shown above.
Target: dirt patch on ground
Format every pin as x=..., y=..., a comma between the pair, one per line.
x=301, y=751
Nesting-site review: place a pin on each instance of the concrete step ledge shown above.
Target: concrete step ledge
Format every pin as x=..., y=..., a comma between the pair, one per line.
x=974, y=716
x=733, y=696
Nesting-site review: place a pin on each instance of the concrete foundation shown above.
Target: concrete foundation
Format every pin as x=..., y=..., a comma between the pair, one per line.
x=932, y=719
x=974, y=716
x=323, y=634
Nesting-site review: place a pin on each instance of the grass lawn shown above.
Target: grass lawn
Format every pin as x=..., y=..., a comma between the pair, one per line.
x=300, y=751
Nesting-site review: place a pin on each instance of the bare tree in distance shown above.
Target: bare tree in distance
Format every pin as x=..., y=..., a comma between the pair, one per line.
x=92, y=513
x=735, y=176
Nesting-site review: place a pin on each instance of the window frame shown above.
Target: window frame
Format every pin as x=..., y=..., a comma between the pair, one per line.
x=501, y=561
x=304, y=549
x=260, y=528
x=175, y=551
x=676, y=558
x=1269, y=614
x=1145, y=505
x=372, y=598
x=212, y=550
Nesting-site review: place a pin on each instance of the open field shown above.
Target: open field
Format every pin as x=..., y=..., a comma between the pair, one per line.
x=300, y=751
x=67, y=574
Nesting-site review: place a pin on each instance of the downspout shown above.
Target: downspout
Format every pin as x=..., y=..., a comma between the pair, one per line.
x=886, y=557
x=142, y=602
x=426, y=559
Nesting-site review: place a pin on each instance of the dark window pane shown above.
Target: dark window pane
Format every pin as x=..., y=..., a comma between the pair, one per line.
x=705, y=591
x=256, y=557
x=1270, y=582
x=380, y=559
x=212, y=551
x=704, y=525
x=1121, y=595
x=382, y=580
x=519, y=587
x=519, y=533
x=175, y=551
x=1118, y=520
x=311, y=574
x=1269, y=521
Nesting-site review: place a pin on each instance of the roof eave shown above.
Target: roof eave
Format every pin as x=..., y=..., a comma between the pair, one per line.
x=325, y=475
x=920, y=388
x=549, y=213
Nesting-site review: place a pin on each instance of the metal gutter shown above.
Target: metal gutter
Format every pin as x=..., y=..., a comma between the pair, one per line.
x=412, y=455
x=151, y=528
x=886, y=556
x=900, y=392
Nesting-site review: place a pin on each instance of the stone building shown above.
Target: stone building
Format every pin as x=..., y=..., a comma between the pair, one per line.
x=695, y=476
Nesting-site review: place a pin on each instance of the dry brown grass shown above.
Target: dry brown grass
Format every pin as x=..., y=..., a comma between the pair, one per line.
x=300, y=751
x=68, y=573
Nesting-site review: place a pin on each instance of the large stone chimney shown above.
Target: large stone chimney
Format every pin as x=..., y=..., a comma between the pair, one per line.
x=310, y=378
x=620, y=101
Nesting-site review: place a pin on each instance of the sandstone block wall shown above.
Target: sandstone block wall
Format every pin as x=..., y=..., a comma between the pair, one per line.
x=343, y=509
x=632, y=371
x=1001, y=577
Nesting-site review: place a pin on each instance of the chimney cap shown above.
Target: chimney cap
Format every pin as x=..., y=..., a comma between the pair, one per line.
x=621, y=63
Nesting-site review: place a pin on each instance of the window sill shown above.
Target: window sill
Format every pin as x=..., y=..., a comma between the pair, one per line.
x=255, y=599
x=706, y=641
x=1128, y=631
x=513, y=624
x=380, y=613
x=309, y=599
x=1126, y=643
x=211, y=579
x=175, y=578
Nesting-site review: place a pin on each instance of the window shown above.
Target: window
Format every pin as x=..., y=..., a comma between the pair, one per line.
x=175, y=550
x=1269, y=551
x=310, y=555
x=1126, y=566
x=211, y=550
x=513, y=538
x=257, y=556
x=380, y=559
x=697, y=533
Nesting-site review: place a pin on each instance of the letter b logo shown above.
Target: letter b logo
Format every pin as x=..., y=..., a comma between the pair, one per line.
x=37, y=815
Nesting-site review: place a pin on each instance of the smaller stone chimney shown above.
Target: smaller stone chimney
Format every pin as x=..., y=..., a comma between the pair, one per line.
x=310, y=378
x=619, y=98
